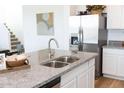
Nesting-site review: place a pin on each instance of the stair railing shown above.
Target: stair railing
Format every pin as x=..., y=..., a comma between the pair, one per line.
x=6, y=27
x=5, y=38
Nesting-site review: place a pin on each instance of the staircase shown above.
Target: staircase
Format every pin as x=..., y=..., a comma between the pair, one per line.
x=13, y=39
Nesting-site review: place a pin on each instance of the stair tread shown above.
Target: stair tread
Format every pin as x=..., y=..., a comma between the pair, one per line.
x=15, y=42
x=13, y=45
x=13, y=50
x=14, y=39
x=12, y=35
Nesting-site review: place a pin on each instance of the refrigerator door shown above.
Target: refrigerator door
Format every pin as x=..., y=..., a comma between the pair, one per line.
x=90, y=25
x=98, y=61
x=90, y=47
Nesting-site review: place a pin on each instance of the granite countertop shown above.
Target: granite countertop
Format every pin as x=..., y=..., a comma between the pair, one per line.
x=115, y=45
x=39, y=75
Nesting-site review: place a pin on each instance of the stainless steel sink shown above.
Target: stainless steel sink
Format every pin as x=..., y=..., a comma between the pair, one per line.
x=61, y=61
x=67, y=59
x=55, y=64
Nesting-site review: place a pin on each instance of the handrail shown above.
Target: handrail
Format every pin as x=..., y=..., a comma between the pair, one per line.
x=5, y=37
x=6, y=26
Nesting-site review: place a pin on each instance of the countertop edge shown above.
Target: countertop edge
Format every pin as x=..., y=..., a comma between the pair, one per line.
x=113, y=47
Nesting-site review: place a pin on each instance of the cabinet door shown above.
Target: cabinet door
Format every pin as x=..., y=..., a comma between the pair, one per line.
x=120, y=66
x=71, y=84
x=109, y=63
x=91, y=77
x=114, y=17
x=122, y=18
x=82, y=80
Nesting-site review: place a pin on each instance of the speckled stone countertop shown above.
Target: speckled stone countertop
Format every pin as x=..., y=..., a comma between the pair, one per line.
x=39, y=75
x=115, y=45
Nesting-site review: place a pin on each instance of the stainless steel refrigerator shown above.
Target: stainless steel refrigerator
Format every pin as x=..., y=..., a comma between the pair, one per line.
x=92, y=35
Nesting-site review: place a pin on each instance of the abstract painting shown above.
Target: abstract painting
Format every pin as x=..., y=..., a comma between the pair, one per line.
x=45, y=24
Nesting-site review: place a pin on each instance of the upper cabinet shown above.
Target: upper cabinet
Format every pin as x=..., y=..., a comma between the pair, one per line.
x=115, y=17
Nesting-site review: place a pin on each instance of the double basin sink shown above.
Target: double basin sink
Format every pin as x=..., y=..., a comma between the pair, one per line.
x=61, y=61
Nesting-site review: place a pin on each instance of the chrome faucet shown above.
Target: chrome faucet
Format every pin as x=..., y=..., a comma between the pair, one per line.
x=49, y=47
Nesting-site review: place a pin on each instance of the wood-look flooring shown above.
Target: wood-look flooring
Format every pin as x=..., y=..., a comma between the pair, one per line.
x=103, y=82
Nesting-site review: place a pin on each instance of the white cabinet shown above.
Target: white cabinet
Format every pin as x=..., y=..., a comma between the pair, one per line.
x=82, y=80
x=120, y=66
x=109, y=63
x=115, y=17
x=113, y=63
x=91, y=77
x=80, y=77
x=70, y=84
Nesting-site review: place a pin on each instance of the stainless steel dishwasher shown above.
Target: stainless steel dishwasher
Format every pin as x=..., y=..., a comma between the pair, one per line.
x=52, y=84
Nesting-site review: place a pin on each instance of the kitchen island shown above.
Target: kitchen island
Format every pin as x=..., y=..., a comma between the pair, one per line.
x=38, y=74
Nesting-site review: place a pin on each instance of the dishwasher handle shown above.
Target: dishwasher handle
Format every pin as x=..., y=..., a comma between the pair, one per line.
x=52, y=84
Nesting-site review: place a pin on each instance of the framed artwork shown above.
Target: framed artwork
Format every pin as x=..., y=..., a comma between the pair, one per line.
x=45, y=23
x=2, y=62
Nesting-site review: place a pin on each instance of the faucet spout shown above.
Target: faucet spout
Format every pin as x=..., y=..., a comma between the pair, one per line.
x=52, y=39
x=49, y=46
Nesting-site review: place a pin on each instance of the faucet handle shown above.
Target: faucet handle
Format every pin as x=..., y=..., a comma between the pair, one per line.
x=51, y=55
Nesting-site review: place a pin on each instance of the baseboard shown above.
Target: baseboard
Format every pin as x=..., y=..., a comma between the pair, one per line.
x=113, y=77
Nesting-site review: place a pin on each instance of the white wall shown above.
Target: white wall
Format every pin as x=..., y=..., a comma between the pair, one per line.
x=13, y=19
x=5, y=38
x=12, y=16
x=116, y=35
x=32, y=41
